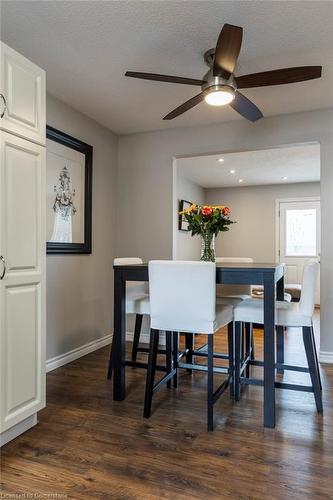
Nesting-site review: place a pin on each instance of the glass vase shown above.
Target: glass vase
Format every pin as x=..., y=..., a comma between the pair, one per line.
x=208, y=247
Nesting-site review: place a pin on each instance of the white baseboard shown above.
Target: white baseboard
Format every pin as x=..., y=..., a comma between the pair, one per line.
x=67, y=357
x=18, y=429
x=144, y=338
x=326, y=357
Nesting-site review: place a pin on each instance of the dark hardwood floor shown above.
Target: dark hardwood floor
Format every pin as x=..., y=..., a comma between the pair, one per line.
x=87, y=446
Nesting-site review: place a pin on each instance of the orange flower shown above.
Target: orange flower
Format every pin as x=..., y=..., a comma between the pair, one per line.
x=226, y=211
x=207, y=211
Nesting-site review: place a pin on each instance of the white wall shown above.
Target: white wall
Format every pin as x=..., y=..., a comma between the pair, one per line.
x=79, y=287
x=253, y=208
x=186, y=247
x=145, y=177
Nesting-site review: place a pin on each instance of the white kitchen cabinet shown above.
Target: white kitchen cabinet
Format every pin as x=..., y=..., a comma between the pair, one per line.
x=22, y=248
x=22, y=99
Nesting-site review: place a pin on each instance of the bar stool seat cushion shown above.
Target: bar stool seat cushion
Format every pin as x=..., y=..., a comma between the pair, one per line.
x=138, y=304
x=287, y=314
x=134, y=288
x=224, y=315
x=232, y=301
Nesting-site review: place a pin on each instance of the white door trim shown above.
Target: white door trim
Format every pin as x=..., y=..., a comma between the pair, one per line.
x=278, y=201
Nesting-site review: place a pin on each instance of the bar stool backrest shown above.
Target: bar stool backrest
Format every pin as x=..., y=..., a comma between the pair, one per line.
x=182, y=295
x=309, y=286
x=127, y=261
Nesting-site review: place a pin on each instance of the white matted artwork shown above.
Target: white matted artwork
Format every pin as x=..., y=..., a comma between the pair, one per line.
x=65, y=194
x=182, y=222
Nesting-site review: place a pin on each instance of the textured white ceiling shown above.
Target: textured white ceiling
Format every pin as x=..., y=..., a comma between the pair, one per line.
x=86, y=47
x=299, y=163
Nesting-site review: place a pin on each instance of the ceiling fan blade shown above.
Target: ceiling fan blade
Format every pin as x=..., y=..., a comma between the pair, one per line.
x=245, y=107
x=164, y=78
x=278, y=77
x=227, y=50
x=185, y=107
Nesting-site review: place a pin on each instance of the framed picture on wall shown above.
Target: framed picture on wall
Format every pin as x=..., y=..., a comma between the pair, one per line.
x=68, y=193
x=182, y=222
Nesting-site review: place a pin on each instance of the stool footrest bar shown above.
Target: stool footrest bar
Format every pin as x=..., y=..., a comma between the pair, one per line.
x=203, y=368
x=164, y=380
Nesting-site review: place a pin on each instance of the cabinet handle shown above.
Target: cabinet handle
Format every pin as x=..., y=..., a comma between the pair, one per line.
x=4, y=267
x=4, y=105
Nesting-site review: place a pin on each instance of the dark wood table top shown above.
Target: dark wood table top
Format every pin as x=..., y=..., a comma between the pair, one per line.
x=270, y=266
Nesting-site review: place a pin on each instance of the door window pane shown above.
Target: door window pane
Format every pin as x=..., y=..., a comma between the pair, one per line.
x=301, y=232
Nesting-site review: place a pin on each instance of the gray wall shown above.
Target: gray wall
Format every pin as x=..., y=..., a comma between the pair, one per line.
x=145, y=177
x=79, y=287
x=187, y=248
x=253, y=208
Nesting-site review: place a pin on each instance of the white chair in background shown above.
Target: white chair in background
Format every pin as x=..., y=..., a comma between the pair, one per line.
x=287, y=314
x=137, y=302
x=183, y=299
x=233, y=294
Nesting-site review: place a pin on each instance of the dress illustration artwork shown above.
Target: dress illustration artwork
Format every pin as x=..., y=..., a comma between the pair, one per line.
x=64, y=209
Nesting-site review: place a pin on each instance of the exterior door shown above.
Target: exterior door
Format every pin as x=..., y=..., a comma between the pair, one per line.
x=22, y=287
x=22, y=100
x=299, y=237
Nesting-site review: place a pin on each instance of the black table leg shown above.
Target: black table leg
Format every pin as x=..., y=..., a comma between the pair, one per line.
x=110, y=368
x=231, y=353
x=280, y=349
x=119, y=340
x=269, y=354
x=280, y=329
x=237, y=362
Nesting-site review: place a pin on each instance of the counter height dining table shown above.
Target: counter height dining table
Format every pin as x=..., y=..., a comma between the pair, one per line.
x=270, y=276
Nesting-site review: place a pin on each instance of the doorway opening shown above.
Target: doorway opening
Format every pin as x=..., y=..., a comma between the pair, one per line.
x=274, y=195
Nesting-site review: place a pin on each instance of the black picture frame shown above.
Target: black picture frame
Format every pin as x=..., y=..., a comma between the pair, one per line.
x=87, y=150
x=182, y=222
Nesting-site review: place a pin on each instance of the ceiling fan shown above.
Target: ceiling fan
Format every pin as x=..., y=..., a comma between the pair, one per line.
x=219, y=86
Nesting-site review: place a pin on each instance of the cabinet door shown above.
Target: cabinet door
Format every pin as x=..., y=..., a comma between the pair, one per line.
x=22, y=85
x=22, y=289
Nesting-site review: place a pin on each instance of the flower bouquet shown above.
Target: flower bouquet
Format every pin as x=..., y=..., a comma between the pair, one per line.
x=207, y=221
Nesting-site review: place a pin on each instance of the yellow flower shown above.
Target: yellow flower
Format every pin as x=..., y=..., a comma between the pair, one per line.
x=192, y=208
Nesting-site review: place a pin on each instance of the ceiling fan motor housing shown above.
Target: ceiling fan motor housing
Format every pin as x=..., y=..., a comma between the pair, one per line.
x=214, y=83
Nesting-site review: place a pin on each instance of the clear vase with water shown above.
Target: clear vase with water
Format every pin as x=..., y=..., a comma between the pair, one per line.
x=208, y=246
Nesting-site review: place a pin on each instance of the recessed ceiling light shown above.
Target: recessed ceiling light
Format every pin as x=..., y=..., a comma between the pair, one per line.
x=240, y=180
x=284, y=178
x=232, y=171
x=221, y=160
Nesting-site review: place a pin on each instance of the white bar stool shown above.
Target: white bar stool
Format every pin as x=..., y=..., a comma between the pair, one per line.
x=183, y=299
x=287, y=314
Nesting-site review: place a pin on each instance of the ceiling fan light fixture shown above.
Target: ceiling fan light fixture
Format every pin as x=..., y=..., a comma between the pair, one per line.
x=220, y=96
